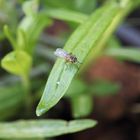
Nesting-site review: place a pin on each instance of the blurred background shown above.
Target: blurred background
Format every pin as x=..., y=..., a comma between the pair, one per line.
x=107, y=91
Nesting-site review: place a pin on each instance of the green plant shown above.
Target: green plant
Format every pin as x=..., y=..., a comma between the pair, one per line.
x=87, y=42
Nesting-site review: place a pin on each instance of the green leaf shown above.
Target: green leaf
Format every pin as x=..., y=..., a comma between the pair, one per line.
x=2, y=36
x=99, y=87
x=60, y=4
x=8, y=14
x=68, y=15
x=129, y=54
x=30, y=7
x=77, y=87
x=10, y=99
x=21, y=39
x=114, y=42
x=32, y=27
x=80, y=44
x=86, y=6
x=81, y=105
x=17, y=62
x=104, y=88
x=9, y=35
x=31, y=139
x=43, y=128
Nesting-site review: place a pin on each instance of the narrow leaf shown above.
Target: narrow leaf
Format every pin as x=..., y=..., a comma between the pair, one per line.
x=81, y=105
x=21, y=39
x=10, y=99
x=80, y=44
x=129, y=54
x=60, y=4
x=86, y=6
x=32, y=27
x=43, y=128
x=9, y=35
x=104, y=88
x=63, y=14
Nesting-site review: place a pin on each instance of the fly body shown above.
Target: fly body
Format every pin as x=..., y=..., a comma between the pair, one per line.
x=69, y=57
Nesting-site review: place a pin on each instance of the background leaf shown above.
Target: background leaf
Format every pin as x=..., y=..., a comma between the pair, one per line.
x=64, y=14
x=128, y=54
x=9, y=35
x=30, y=7
x=85, y=6
x=104, y=88
x=32, y=27
x=77, y=87
x=42, y=128
x=17, y=62
x=11, y=98
x=81, y=105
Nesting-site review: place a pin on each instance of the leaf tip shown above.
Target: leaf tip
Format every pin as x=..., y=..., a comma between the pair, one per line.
x=94, y=122
x=40, y=111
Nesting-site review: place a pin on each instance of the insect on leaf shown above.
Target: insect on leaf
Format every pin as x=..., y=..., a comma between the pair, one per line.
x=79, y=44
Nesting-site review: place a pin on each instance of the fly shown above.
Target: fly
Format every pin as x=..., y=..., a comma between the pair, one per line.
x=69, y=57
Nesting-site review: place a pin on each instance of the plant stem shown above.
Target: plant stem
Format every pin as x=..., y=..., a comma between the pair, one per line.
x=27, y=93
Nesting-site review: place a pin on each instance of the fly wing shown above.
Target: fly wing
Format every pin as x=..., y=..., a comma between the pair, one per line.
x=61, y=53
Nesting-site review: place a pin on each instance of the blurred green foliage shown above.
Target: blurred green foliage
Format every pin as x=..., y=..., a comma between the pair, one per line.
x=31, y=57
x=85, y=6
